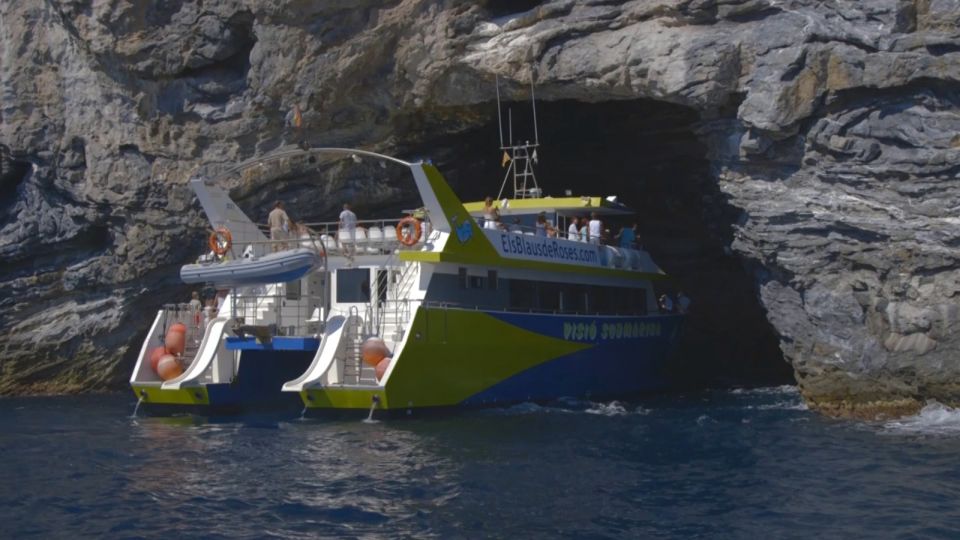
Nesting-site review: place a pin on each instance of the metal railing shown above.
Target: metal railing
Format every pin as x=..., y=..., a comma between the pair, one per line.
x=371, y=237
x=289, y=317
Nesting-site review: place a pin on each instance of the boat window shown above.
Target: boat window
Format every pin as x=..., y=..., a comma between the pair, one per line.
x=492, y=280
x=549, y=295
x=476, y=282
x=353, y=285
x=575, y=298
x=292, y=290
x=523, y=294
x=462, y=272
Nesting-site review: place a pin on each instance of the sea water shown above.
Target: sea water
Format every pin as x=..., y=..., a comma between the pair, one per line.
x=719, y=464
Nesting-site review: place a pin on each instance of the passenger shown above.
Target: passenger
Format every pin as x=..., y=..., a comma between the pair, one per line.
x=208, y=294
x=490, y=214
x=541, y=225
x=628, y=236
x=515, y=226
x=195, y=303
x=279, y=223
x=348, y=225
x=666, y=304
x=584, y=231
x=683, y=302
x=573, y=232
x=595, y=229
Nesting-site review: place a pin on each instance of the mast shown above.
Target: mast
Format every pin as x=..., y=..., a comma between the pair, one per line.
x=521, y=157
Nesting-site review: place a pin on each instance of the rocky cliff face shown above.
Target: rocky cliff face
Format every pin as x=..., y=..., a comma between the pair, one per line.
x=826, y=131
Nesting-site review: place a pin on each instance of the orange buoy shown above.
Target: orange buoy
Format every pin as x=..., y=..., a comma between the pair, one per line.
x=168, y=367
x=175, y=341
x=409, y=231
x=178, y=327
x=220, y=241
x=382, y=367
x=373, y=351
x=155, y=355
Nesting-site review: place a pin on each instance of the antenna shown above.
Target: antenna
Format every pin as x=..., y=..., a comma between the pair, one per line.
x=533, y=103
x=499, y=114
x=520, y=156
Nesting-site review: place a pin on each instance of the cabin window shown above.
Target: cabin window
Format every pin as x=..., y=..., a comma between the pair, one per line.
x=523, y=294
x=549, y=295
x=353, y=285
x=462, y=273
x=476, y=282
x=492, y=281
x=292, y=290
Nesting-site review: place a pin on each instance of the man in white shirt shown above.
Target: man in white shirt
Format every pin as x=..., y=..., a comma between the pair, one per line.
x=348, y=228
x=573, y=232
x=279, y=224
x=594, y=228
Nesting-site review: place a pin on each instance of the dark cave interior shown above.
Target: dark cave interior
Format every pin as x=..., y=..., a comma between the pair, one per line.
x=647, y=154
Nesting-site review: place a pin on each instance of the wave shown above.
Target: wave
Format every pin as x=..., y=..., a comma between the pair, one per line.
x=934, y=419
x=572, y=405
x=786, y=389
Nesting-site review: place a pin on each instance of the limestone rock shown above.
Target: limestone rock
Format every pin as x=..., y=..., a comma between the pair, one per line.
x=830, y=130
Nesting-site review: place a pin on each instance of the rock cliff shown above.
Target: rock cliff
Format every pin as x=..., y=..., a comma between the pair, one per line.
x=807, y=150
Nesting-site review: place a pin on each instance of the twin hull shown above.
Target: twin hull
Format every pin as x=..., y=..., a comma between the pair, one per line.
x=458, y=357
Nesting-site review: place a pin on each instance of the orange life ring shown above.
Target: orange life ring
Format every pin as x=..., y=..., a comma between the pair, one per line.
x=220, y=241
x=403, y=236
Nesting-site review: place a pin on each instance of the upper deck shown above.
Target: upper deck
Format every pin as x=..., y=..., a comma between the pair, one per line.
x=452, y=234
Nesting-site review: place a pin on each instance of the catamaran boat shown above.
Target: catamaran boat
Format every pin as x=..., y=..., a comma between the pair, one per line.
x=431, y=310
x=446, y=307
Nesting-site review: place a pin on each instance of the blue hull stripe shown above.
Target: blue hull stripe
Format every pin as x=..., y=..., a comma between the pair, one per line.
x=613, y=366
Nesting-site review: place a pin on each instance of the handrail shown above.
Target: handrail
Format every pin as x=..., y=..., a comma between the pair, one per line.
x=294, y=152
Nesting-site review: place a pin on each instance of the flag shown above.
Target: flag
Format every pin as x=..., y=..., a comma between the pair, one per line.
x=534, y=156
x=505, y=160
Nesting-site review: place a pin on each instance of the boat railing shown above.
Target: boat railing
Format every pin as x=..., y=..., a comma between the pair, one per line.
x=192, y=317
x=290, y=314
x=371, y=237
x=550, y=231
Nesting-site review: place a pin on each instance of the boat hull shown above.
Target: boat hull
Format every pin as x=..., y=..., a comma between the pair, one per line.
x=256, y=388
x=468, y=358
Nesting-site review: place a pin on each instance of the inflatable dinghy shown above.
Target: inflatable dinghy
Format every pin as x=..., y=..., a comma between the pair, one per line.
x=280, y=267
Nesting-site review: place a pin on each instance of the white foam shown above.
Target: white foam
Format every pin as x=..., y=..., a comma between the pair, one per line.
x=934, y=419
x=783, y=389
x=781, y=406
x=614, y=408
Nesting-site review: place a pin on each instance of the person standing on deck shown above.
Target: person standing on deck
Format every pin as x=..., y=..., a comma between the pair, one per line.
x=279, y=223
x=628, y=236
x=490, y=214
x=348, y=228
x=594, y=229
x=573, y=232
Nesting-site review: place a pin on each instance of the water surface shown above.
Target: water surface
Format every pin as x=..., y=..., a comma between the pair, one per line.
x=721, y=464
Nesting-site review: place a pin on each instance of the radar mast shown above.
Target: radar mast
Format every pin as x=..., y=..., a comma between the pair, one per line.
x=520, y=157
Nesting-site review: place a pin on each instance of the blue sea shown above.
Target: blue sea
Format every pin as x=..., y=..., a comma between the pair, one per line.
x=746, y=463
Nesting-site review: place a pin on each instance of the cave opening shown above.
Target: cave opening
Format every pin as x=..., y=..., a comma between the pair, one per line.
x=646, y=153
